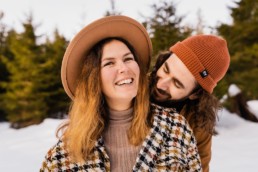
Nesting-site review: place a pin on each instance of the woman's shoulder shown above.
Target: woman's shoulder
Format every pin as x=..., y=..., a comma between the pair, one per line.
x=57, y=151
x=54, y=157
x=178, y=143
x=172, y=123
x=168, y=115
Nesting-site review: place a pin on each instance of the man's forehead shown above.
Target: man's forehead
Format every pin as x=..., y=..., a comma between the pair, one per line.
x=179, y=71
x=173, y=59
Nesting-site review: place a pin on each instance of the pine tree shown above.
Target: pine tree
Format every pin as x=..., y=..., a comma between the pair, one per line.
x=3, y=70
x=165, y=26
x=23, y=101
x=242, y=40
x=55, y=97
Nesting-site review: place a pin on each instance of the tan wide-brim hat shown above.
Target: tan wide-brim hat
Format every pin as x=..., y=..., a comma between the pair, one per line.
x=111, y=26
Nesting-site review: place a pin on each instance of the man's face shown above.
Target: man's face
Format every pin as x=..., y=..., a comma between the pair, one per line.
x=174, y=81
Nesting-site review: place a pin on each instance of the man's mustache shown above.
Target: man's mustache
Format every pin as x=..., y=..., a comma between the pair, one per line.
x=163, y=92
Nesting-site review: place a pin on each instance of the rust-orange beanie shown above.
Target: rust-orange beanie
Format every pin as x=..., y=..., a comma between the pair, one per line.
x=206, y=57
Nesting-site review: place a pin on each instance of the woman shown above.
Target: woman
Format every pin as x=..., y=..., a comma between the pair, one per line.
x=111, y=127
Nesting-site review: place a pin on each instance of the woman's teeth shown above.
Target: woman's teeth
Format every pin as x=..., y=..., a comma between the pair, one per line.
x=126, y=81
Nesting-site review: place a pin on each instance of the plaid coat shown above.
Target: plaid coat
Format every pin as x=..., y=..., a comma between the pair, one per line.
x=170, y=146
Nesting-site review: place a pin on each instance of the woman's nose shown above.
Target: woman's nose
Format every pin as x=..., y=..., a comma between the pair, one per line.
x=122, y=67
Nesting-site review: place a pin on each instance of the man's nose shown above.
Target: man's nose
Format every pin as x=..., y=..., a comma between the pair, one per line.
x=163, y=83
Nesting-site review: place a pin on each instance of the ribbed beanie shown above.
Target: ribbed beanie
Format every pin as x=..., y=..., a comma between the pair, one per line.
x=206, y=57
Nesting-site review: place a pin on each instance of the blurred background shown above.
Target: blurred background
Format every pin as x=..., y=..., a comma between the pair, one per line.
x=35, y=33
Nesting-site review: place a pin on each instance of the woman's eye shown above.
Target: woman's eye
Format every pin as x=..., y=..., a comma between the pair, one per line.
x=108, y=64
x=129, y=58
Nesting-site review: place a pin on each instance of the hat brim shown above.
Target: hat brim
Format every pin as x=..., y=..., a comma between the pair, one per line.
x=111, y=26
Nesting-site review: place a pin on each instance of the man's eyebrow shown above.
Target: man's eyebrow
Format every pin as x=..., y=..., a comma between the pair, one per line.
x=174, y=78
x=166, y=66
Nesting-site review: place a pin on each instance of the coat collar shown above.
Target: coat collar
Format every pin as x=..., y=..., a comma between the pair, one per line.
x=150, y=151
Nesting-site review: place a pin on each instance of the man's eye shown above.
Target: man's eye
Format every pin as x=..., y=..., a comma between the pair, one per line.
x=177, y=84
x=165, y=70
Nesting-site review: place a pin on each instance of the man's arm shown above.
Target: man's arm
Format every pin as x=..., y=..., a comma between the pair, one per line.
x=204, y=141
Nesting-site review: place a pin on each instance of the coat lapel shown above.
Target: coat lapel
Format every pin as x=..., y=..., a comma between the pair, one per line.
x=100, y=159
x=151, y=148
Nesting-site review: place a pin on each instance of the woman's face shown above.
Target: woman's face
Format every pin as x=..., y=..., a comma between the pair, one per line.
x=119, y=75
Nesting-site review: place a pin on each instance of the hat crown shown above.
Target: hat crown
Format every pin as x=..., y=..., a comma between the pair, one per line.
x=212, y=52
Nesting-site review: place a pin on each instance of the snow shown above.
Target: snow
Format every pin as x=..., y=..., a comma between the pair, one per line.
x=233, y=90
x=253, y=107
x=235, y=148
x=23, y=150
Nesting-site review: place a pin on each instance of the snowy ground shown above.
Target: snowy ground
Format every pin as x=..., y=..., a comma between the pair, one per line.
x=234, y=149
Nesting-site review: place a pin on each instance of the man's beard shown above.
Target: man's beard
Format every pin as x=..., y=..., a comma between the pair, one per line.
x=177, y=104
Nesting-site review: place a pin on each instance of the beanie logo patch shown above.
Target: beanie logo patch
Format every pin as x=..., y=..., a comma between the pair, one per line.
x=204, y=73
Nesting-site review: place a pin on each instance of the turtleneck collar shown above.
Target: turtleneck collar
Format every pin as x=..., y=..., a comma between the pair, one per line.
x=120, y=117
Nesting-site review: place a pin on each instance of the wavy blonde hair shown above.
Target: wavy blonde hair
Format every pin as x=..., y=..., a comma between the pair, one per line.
x=89, y=112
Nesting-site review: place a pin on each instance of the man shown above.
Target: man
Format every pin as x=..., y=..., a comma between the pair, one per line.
x=184, y=78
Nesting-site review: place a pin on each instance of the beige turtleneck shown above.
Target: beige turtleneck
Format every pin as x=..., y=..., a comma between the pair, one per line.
x=121, y=153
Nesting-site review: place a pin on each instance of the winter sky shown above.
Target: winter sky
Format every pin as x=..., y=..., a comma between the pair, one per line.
x=69, y=16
